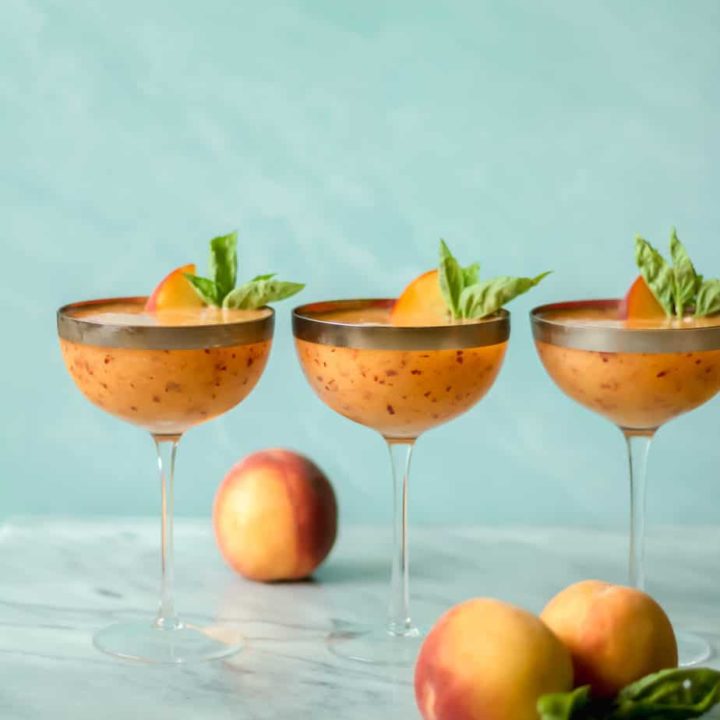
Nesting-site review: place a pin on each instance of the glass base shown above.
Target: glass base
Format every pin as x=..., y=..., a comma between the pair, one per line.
x=376, y=646
x=184, y=643
x=692, y=649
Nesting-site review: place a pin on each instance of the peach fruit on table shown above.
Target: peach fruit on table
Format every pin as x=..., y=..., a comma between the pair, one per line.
x=616, y=635
x=488, y=660
x=275, y=516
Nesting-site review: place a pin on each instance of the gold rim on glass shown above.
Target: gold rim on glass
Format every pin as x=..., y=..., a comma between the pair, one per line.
x=307, y=326
x=88, y=331
x=600, y=338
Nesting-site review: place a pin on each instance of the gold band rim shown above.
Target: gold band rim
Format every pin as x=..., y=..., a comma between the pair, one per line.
x=618, y=339
x=149, y=337
x=488, y=331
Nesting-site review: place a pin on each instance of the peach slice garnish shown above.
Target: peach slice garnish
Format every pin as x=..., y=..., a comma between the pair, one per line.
x=174, y=291
x=421, y=303
x=640, y=303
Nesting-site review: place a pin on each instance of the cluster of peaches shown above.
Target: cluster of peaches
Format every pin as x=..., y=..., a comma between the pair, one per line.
x=488, y=660
x=275, y=517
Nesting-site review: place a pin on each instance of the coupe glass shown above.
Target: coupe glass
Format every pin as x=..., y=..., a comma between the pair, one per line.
x=399, y=381
x=637, y=376
x=164, y=378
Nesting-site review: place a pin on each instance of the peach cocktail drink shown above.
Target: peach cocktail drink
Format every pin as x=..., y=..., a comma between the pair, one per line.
x=163, y=384
x=399, y=381
x=165, y=372
x=398, y=392
x=655, y=371
x=638, y=373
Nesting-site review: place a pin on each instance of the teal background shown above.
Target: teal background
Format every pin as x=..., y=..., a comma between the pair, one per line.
x=342, y=140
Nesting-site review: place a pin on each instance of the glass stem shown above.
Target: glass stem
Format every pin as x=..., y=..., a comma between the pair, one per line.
x=399, y=622
x=638, y=445
x=166, y=446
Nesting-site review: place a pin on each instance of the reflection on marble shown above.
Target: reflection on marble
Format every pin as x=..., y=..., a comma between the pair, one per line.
x=62, y=580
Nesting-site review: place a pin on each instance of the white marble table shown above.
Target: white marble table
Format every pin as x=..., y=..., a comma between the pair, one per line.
x=61, y=580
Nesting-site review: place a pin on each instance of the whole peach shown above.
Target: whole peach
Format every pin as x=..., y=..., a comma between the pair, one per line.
x=488, y=660
x=615, y=634
x=275, y=516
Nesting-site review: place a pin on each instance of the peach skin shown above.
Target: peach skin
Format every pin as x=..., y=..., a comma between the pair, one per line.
x=615, y=634
x=174, y=291
x=421, y=303
x=275, y=516
x=488, y=660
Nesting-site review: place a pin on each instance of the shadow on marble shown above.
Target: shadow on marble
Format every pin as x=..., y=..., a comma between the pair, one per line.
x=351, y=570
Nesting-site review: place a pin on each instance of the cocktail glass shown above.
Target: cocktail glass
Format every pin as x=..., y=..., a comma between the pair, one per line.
x=165, y=374
x=639, y=375
x=401, y=382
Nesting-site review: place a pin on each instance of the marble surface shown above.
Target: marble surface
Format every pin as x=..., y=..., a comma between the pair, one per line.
x=62, y=580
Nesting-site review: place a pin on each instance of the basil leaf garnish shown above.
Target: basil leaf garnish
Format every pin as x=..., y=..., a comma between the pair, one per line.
x=259, y=292
x=468, y=297
x=471, y=274
x=452, y=280
x=488, y=296
x=267, y=276
x=677, y=287
x=687, y=281
x=205, y=288
x=223, y=263
x=221, y=291
x=708, y=298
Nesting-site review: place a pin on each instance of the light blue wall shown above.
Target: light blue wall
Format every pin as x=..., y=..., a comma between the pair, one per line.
x=343, y=139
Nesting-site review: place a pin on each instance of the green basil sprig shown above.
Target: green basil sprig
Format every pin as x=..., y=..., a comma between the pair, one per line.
x=675, y=694
x=220, y=290
x=468, y=297
x=708, y=298
x=259, y=291
x=677, y=286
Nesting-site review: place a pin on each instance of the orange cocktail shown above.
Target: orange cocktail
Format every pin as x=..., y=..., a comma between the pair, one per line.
x=189, y=352
x=637, y=390
x=165, y=390
x=164, y=371
x=401, y=393
x=399, y=380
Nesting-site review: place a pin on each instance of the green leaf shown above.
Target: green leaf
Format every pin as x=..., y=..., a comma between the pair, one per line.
x=259, y=292
x=564, y=706
x=452, y=279
x=205, y=288
x=223, y=263
x=687, y=282
x=708, y=298
x=657, y=274
x=466, y=296
x=265, y=277
x=488, y=296
x=676, y=694
x=471, y=274
x=221, y=291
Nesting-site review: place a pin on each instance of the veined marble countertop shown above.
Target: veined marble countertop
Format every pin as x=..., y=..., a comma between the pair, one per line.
x=62, y=580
